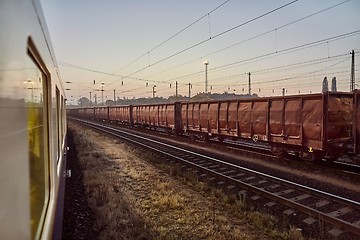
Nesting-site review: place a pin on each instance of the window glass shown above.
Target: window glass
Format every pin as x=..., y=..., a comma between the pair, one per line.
x=57, y=138
x=35, y=97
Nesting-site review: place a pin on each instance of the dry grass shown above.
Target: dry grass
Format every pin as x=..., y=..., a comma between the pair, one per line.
x=133, y=199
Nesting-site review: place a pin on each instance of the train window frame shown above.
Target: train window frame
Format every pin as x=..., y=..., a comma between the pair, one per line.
x=58, y=134
x=35, y=58
x=62, y=119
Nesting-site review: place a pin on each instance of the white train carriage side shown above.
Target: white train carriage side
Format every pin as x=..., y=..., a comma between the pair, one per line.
x=32, y=126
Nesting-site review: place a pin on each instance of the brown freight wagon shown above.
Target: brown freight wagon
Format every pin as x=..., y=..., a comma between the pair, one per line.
x=72, y=112
x=157, y=116
x=88, y=113
x=356, y=129
x=121, y=114
x=102, y=113
x=311, y=125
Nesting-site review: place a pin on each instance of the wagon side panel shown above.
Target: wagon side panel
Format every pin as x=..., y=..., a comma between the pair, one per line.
x=276, y=120
x=340, y=117
x=312, y=122
x=136, y=114
x=233, y=117
x=223, y=118
x=259, y=120
x=195, y=114
x=162, y=115
x=356, y=122
x=153, y=115
x=204, y=114
x=292, y=121
x=184, y=116
x=213, y=112
x=170, y=116
x=244, y=119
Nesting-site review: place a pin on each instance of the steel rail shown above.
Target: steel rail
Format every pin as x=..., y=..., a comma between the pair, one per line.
x=275, y=197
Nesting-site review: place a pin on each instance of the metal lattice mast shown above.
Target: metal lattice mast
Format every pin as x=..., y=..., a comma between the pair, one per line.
x=206, y=63
x=249, y=84
x=352, y=76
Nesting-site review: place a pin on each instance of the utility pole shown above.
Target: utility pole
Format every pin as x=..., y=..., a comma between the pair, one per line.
x=102, y=93
x=190, y=86
x=206, y=63
x=352, y=77
x=176, y=89
x=154, y=91
x=90, y=99
x=249, y=83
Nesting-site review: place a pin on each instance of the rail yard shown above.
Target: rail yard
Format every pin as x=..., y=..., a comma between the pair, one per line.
x=171, y=120
x=319, y=200
x=316, y=133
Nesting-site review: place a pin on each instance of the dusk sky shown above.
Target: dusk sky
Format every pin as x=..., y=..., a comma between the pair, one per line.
x=130, y=46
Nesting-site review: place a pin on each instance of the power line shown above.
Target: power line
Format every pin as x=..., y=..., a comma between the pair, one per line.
x=256, y=36
x=206, y=40
x=299, y=47
x=290, y=66
x=247, y=60
x=173, y=36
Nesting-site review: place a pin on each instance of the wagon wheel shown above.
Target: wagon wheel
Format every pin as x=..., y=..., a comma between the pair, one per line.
x=278, y=151
x=255, y=138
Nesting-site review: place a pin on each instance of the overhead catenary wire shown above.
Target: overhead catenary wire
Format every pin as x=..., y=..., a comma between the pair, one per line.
x=256, y=36
x=208, y=39
x=298, y=47
x=148, y=80
x=287, y=66
x=171, y=37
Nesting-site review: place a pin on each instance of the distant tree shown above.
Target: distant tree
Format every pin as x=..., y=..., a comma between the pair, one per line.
x=84, y=102
x=109, y=102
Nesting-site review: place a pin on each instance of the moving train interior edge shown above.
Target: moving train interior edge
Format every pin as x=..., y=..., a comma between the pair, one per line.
x=32, y=126
x=312, y=126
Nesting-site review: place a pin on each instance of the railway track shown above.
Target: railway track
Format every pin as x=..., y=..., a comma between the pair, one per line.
x=341, y=216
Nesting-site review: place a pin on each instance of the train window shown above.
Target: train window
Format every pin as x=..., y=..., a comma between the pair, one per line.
x=57, y=137
x=62, y=120
x=36, y=88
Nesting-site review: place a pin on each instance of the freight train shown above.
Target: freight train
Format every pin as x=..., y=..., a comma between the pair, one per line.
x=32, y=126
x=312, y=126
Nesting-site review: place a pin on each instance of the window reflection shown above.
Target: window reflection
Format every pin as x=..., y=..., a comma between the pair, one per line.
x=34, y=94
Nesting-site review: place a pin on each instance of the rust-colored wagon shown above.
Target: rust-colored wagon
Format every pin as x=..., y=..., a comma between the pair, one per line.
x=121, y=114
x=157, y=116
x=101, y=113
x=311, y=125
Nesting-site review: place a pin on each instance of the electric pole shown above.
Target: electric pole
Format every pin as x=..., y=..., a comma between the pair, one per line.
x=176, y=89
x=90, y=99
x=352, y=77
x=206, y=63
x=190, y=86
x=249, y=83
x=102, y=93
x=154, y=91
